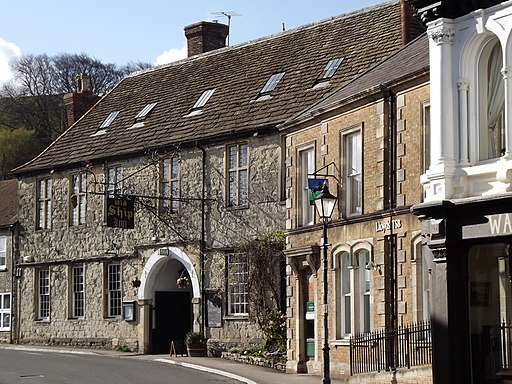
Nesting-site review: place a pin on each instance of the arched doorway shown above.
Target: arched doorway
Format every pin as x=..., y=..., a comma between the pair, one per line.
x=170, y=311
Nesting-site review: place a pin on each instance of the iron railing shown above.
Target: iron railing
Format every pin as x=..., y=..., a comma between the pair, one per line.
x=386, y=349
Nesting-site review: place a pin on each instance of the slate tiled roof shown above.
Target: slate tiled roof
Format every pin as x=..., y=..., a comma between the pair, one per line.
x=407, y=63
x=238, y=73
x=8, y=202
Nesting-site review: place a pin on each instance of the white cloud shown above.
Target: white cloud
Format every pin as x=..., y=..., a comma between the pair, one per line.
x=171, y=55
x=8, y=51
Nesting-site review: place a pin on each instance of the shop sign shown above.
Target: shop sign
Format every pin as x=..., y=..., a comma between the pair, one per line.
x=392, y=224
x=120, y=212
x=496, y=225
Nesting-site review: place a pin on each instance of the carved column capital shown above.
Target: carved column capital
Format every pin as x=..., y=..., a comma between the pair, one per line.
x=441, y=34
x=463, y=85
x=507, y=73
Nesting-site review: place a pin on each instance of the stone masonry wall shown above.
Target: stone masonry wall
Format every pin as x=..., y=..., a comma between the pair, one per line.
x=351, y=233
x=94, y=245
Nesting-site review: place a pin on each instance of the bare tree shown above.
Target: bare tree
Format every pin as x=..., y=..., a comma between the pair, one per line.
x=33, y=100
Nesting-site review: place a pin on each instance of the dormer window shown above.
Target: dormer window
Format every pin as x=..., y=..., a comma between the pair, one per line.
x=141, y=116
x=106, y=123
x=200, y=103
x=271, y=84
x=329, y=71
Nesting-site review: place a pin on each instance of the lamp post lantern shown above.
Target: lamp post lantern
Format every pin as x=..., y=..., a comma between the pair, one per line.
x=324, y=204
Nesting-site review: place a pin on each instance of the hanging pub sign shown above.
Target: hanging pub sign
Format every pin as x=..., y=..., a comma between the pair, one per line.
x=120, y=212
x=315, y=187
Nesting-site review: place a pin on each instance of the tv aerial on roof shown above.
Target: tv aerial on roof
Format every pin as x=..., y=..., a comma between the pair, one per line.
x=228, y=15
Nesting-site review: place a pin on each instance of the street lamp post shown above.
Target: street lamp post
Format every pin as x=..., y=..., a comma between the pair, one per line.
x=324, y=204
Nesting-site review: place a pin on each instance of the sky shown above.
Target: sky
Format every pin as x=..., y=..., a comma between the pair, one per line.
x=123, y=31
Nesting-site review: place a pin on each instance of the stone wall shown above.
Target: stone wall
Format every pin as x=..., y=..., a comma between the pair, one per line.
x=94, y=245
x=349, y=234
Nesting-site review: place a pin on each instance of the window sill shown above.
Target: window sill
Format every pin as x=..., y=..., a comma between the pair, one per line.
x=3, y=268
x=341, y=342
x=237, y=207
x=236, y=317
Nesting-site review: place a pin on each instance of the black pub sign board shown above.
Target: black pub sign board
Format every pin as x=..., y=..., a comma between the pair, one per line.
x=120, y=212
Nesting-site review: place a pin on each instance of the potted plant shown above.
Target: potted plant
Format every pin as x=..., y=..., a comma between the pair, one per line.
x=195, y=343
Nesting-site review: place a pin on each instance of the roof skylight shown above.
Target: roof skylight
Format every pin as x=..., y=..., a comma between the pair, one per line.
x=141, y=116
x=110, y=118
x=271, y=83
x=102, y=129
x=203, y=99
x=330, y=69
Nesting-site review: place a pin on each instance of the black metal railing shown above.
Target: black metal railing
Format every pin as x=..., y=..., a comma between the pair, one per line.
x=386, y=349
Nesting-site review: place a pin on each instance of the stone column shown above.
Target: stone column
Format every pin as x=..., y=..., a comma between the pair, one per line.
x=144, y=328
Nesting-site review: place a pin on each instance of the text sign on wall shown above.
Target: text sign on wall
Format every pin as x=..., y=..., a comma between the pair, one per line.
x=496, y=225
x=388, y=225
x=120, y=212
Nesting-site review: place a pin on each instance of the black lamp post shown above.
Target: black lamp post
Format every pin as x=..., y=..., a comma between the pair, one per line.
x=324, y=204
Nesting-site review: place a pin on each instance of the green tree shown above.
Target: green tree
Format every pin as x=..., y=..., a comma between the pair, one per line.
x=17, y=147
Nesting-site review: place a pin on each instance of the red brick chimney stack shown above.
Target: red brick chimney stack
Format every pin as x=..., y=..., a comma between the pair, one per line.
x=205, y=36
x=79, y=102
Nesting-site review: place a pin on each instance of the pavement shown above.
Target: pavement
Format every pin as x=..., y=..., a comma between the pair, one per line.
x=249, y=374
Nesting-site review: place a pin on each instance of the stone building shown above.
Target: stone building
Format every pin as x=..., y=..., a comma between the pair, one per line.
x=466, y=216
x=366, y=141
x=8, y=252
x=167, y=175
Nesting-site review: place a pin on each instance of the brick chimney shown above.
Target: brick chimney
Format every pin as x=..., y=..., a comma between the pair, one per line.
x=205, y=36
x=79, y=102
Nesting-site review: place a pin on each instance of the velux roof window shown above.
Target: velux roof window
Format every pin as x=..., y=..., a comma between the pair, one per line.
x=102, y=129
x=329, y=71
x=141, y=116
x=271, y=84
x=200, y=103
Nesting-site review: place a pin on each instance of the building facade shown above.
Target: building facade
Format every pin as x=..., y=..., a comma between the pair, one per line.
x=9, y=235
x=366, y=141
x=466, y=215
x=142, y=203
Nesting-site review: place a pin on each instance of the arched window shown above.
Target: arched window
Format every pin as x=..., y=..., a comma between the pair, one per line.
x=421, y=281
x=364, y=291
x=344, y=296
x=491, y=101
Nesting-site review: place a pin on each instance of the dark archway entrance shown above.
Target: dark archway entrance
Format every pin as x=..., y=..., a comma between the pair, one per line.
x=172, y=319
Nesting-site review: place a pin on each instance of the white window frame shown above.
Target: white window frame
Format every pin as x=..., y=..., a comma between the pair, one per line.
x=238, y=273
x=43, y=294
x=3, y=253
x=44, y=203
x=484, y=147
x=305, y=166
x=170, y=184
x=346, y=302
x=365, y=281
x=114, y=182
x=77, y=292
x=352, y=161
x=114, y=290
x=237, y=175
x=78, y=193
x=5, y=311
x=420, y=281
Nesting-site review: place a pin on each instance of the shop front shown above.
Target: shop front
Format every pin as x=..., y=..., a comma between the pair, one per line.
x=467, y=242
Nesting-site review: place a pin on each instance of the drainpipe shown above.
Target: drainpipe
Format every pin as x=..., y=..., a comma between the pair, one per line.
x=390, y=204
x=202, y=241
